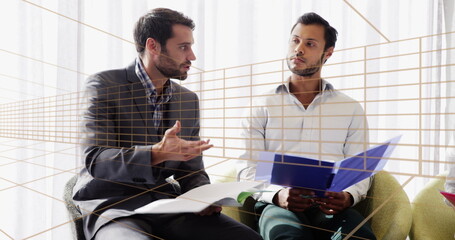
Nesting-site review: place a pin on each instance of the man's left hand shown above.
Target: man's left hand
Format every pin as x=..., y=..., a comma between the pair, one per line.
x=335, y=202
x=210, y=210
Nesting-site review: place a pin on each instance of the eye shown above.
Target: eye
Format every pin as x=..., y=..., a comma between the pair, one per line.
x=311, y=44
x=295, y=40
x=183, y=48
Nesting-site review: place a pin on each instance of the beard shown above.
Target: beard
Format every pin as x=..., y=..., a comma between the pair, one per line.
x=170, y=68
x=308, y=71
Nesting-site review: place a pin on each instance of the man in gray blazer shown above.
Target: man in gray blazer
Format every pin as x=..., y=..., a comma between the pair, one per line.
x=128, y=155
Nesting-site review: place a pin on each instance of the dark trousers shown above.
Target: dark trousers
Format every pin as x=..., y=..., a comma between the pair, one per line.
x=276, y=223
x=176, y=227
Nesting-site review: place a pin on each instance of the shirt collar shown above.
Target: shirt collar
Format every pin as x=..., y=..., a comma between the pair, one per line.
x=142, y=75
x=326, y=86
x=168, y=87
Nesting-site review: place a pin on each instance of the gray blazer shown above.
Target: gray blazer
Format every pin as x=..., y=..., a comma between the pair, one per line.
x=118, y=134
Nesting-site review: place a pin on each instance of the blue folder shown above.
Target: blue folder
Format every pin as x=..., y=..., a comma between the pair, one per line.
x=319, y=175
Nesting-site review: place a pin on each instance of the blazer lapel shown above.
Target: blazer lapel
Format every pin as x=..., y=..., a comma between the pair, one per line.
x=140, y=99
x=173, y=114
x=174, y=108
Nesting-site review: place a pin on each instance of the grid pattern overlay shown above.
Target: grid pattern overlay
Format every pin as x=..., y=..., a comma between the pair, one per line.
x=400, y=84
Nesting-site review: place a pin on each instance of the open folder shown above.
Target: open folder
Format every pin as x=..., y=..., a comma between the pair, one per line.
x=197, y=199
x=319, y=175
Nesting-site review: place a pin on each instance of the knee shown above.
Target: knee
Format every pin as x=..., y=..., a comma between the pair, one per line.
x=275, y=211
x=125, y=228
x=273, y=215
x=278, y=223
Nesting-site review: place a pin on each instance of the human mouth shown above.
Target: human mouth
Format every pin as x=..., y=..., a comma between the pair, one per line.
x=187, y=67
x=297, y=60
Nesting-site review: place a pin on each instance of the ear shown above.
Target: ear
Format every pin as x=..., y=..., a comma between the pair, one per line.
x=328, y=53
x=152, y=46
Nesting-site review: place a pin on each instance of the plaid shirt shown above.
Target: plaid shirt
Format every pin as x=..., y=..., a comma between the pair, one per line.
x=154, y=101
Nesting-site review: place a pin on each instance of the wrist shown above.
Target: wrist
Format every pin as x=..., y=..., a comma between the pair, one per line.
x=276, y=198
x=156, y=155
x=350, y=199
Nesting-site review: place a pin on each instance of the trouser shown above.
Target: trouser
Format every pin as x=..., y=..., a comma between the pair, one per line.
x=176, y=226
x=276, y=223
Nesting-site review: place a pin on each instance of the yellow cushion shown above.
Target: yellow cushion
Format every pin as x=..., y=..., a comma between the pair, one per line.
x=432, y=218
x=392, y=215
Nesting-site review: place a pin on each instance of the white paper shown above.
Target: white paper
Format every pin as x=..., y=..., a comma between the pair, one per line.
x=199, y=198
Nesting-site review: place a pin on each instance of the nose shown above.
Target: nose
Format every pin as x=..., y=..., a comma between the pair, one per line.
x=191, y=55
x=299, y=49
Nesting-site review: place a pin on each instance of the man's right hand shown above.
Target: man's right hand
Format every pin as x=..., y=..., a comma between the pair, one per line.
x=294, y=199
x=171, y=147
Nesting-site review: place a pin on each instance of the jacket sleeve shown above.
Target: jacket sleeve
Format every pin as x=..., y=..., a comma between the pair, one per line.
x=103, y=156
x=254, y=124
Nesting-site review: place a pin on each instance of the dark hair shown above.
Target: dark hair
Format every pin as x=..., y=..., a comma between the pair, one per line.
x=157, y=24
x=330, y=33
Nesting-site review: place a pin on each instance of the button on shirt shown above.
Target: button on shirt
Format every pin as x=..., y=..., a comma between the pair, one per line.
x=155, y=102
x=331, y=128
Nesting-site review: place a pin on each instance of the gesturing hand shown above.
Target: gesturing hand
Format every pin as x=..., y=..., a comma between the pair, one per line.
x=171, y=147
x=335, y=202
x=294, y=199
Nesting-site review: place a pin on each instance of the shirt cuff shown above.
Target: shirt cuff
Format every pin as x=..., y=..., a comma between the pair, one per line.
x=269, y=193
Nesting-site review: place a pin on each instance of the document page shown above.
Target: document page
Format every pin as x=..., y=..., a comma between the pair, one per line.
x=201, y=197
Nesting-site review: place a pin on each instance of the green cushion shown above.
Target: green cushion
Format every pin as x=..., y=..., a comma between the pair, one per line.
x=392, y=215
x=432, y=218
